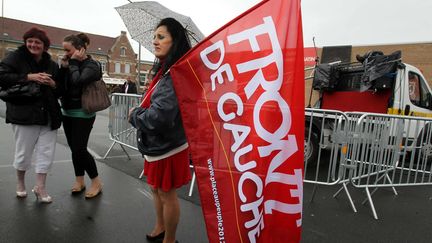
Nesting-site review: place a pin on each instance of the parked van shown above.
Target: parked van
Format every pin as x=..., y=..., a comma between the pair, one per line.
x=377, y=83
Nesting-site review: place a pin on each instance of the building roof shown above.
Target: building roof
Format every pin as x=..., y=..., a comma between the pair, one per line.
x=15, y=29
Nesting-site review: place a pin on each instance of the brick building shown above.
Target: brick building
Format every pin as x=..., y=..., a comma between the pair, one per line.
x=116, y=55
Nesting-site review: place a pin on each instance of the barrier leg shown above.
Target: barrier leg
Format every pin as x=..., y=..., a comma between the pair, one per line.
x=109, y=150
x=349, y=197
x=313, y=192
x=141, y=175
x=373, y=192
x=124, y=150
x=192, y=184
x=345, y=188
x=366, y=199
x=112, y=145
x=371, y=203
x=338, y=191
x=394, y=189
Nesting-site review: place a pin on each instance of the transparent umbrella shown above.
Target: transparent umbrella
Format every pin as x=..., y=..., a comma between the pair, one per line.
x=141, y=18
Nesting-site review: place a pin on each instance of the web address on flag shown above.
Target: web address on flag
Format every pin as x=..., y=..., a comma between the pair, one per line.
x=216, y=202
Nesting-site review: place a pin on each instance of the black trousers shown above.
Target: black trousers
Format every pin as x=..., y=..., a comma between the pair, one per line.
x=77, y=131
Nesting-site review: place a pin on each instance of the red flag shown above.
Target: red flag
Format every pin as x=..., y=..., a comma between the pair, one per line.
x=241, y=95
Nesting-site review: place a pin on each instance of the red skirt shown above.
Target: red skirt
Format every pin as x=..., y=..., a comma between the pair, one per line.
x=169, y=173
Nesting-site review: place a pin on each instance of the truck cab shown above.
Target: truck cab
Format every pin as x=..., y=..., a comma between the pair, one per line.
x=412, y=94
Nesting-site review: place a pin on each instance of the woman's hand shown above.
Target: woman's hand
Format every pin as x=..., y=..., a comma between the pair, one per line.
x=79, y=55
x=50, y=82
x=130, y=112
x=41, y=78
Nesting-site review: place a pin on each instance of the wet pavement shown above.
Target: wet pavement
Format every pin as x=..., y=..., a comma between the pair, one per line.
x=124, y=211
x=403, y=218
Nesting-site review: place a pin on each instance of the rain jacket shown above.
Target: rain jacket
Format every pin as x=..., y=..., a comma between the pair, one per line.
x=37, y=110
x=78, y=74
x=160, y=128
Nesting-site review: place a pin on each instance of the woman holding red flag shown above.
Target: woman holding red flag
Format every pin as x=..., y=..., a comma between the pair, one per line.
x=161, y=136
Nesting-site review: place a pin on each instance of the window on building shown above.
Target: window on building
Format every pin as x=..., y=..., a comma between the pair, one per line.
x=103, y=66
x=117, y=67
x=127, y=68
x=122, y=51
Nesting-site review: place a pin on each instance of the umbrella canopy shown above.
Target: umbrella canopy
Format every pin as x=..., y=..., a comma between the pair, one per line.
x=141, y=19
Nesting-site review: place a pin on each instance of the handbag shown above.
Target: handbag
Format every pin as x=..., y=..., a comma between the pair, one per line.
x=20, y=91
x=95, y=97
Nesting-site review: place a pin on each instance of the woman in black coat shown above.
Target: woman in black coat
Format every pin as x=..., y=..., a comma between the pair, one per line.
x=35, y=119
x=80, y=70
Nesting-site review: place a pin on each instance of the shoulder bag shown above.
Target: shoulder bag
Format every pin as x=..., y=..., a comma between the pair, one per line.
x=95, y=97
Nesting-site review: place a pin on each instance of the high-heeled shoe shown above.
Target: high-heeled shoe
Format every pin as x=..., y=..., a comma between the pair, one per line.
x=46, y=199
x=160, y=236
x=22, y=194
x=90, y=195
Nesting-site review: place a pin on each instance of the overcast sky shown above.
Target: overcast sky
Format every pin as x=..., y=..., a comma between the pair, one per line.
x=331, y=22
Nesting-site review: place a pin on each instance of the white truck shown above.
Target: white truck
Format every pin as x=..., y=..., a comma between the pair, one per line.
x=378, y=83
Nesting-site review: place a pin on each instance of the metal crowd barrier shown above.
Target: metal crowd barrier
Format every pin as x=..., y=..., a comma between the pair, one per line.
x=329, y=144
x=327, y=132
x=121, y=131
x=389, y=151
x=367, y=151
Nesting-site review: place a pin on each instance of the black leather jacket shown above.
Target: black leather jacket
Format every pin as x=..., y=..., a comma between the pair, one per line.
x=78, y=74
x=160, y=127
x=35, y=111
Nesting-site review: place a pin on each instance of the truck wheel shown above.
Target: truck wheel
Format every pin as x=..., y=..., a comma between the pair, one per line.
x=311, y=146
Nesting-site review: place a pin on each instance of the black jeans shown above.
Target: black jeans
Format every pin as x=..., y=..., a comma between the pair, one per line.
x=77, y=131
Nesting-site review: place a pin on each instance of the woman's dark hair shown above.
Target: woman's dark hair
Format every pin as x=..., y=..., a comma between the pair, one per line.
x=39, y=34
x=78, y=41
x=84, y=38
x=180, y=45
